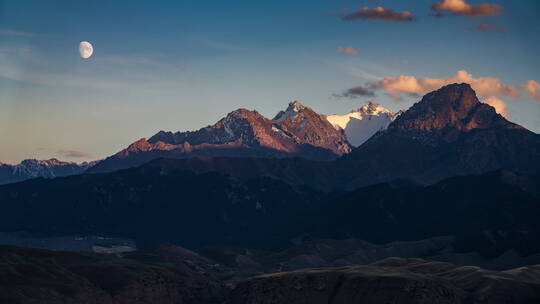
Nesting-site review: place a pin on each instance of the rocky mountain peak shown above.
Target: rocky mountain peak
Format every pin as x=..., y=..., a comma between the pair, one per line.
x=46, y=163
x=143, y=145
x=293, y=108
x=373, y=108
x=241, y=113
x=454, y=106
x=139, y=145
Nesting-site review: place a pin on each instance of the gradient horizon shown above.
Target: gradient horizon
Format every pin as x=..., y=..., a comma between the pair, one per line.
x=182, y=65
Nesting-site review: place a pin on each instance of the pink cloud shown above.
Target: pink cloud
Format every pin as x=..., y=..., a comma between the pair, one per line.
x=486, y=27
x=484, y=86
x=380, y=13
x=461, y=7
x=499, y=105
x=73, y=154
x=347, y=50
x=533, y=88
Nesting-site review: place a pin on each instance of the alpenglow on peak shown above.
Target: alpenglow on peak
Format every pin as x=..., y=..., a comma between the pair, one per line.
x=293, y=108
x=359, y=125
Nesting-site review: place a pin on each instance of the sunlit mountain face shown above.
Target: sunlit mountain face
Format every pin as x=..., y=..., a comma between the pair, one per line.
x=270, y=152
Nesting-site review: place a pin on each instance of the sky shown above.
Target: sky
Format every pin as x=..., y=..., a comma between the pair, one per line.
x=183, y=65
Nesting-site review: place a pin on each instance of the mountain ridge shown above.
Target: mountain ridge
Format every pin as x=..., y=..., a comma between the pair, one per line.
x=296, y=132
x=33, y=168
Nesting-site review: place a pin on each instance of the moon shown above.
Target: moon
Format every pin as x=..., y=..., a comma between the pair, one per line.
x=85, y=49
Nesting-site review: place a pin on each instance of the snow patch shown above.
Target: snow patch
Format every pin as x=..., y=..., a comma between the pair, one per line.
x=359, y=125
x=294, y=108
x=278, y=130
x=229, y=131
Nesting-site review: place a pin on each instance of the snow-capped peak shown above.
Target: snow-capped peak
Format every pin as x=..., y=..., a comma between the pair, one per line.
x=293, y=108
x=373, y=108
x=359, y=125
x=32, y=168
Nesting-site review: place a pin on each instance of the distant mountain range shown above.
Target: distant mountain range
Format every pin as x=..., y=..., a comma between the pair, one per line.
x=32, y=168
x=297, y=131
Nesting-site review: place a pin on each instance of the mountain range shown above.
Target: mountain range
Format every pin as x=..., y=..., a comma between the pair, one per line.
x=449, y=132
x=255, y=201
x=32, y=168
x=296, y=132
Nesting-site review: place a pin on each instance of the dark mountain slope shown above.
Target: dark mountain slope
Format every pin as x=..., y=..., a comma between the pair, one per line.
x=488, y=213
x=41, y=276
x=164, y=201
x=293, y=171
x=399, y=281
x=182, y=276
x=153, y=206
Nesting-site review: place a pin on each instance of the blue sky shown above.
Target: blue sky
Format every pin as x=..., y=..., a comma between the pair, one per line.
x=182, y=65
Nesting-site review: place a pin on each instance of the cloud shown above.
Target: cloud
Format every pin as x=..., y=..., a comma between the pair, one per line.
x=394, y=95
x=347, y=50
x=499, y=105
x=533, y=88
x=361, y=72
x=218, y=44
x=355, y=92
x=73, y=154
x=484, y=86
x=10, y=32
x=490, y=90
x=486, y=27
x=461, y=7
x=380, y=13
x=27, y=64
